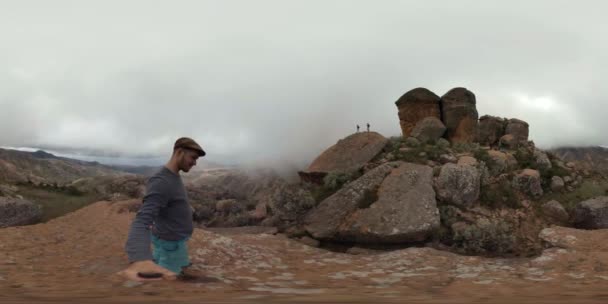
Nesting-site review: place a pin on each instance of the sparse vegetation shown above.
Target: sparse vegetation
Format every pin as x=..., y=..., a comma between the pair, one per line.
x=589, y=188
x=333, y=182
x=56, y=202
x=499, y=194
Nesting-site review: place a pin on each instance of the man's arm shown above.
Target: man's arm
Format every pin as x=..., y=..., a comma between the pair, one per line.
x=138, y=242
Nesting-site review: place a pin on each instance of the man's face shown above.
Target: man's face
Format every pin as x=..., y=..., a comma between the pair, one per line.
x=187, y=159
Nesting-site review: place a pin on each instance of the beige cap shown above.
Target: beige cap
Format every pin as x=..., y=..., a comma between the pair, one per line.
x=189, y=143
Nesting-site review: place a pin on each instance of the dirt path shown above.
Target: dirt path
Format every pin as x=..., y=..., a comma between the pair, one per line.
x=74, y=259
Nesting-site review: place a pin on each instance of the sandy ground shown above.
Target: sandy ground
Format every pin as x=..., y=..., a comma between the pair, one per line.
x=74, y=259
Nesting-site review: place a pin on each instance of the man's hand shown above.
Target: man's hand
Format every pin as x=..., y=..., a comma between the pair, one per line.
x=147, y=266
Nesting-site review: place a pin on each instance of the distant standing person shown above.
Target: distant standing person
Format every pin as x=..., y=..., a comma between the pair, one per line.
x=357, y=128
x=164, y=220
x=368, y=127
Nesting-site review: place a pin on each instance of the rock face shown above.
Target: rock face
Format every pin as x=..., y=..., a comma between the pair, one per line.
x=528, y=182
x=392, y=203
x=491, y=129
x=592, y=213
x=518, y=128
x=458, y=184
x=428, y=129
x=16, y=212
x=415, y=105
x=348, y=155
x=459, y=115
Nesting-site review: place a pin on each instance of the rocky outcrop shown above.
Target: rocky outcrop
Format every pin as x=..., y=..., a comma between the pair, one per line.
x=414, y=106
x=348, y=155
x=528, y=181
x=458, y=184
x=459, y=115
x=491, y=129
x=519, y=129
x=393, y=203
x=428, y=129
x=592, y=213
x=17, y=212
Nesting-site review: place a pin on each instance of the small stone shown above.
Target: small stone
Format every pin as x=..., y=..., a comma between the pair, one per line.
x=131, y=284
x=557, y=184
x=309, y=241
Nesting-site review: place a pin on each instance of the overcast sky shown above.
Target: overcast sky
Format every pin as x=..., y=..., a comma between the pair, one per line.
x=280, y=81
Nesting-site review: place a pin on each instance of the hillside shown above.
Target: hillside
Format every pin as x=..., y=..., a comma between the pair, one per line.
x=590, y=158
x=44, y=168
x=266, y=268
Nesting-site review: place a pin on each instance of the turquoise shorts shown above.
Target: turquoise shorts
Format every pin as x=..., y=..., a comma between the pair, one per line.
x=172, y=255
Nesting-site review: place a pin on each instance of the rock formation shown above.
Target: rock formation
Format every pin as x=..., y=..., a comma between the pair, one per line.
x=416, y=105
x=348, y=155
x=459, y=113
x=393, y=203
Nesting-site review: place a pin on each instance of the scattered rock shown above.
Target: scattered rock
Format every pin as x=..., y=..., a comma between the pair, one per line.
x=555, y=211
x=557, y=184
x=447, y=158
x=592, y=213
x=309, y=241
x=528, y=181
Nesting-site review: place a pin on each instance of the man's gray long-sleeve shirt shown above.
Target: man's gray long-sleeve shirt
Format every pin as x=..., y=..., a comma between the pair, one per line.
x=166, y=209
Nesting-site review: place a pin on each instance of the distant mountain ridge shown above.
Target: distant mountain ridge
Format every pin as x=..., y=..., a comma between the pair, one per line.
x=591, y=157
x=41, y=167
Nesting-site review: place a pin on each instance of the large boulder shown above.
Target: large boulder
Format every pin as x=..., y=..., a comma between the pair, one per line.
x=528, y=181
x=519, y=129
x=393, y=203
x=348, y=155
x=428, y=129
x=16, y=212
x=555, y=211
x=491, y=129
x=458, y=184
x=592, y=213
x=414, y=106
x=541, y=160
x=460, y=115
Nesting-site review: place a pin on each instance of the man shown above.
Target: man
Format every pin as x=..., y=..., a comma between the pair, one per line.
x=164, y=219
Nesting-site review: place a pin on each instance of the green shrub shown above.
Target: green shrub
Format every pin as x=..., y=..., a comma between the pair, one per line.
x=499, y=194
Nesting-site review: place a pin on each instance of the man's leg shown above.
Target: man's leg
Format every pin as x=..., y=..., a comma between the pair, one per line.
x=172, y=255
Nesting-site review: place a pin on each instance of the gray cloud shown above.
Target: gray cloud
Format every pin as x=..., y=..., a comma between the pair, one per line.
x=279, y=81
